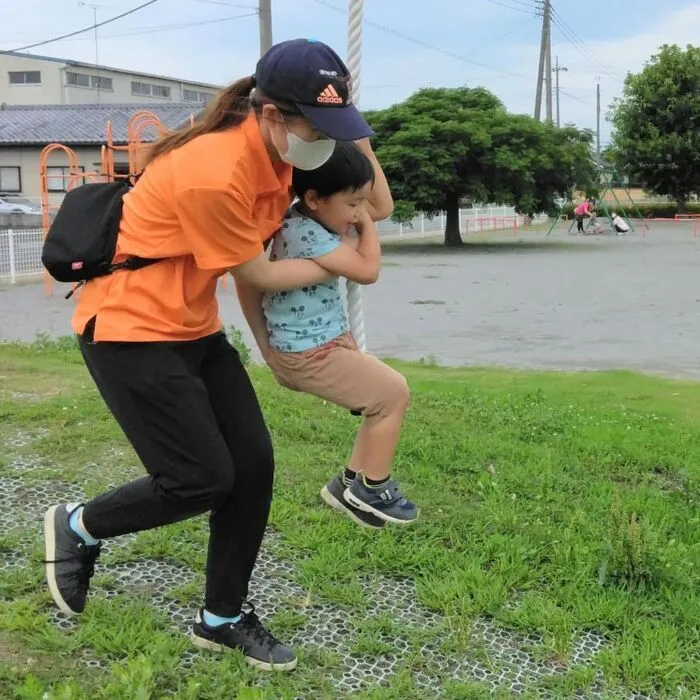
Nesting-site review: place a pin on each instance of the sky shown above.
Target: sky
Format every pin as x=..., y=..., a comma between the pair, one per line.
x=407, y=44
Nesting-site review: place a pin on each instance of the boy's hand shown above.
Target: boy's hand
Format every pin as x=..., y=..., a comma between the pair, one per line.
x=351, y=239
x=365, y=221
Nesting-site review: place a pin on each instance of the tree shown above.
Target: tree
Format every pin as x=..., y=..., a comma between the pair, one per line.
x=656, y=138
x=443, y=146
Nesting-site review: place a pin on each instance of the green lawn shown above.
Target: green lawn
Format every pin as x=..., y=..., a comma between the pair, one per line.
x=558, y=510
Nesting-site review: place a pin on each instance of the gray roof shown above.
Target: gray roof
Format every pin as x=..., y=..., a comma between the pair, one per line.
x=77, y=125
x=95, y=66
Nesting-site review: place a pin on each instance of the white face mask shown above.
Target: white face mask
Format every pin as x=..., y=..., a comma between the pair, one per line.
x=305, y=155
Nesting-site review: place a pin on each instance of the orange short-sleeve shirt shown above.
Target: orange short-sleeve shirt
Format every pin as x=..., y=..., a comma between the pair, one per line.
x=205, y=207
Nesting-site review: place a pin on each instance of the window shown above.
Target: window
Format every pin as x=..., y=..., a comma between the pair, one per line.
x=25, y=77
x=79, y=79
x=58, y=177
x=196, y=96
x=10, y=180
x=140, y=88
x=88, y=81
x=149, y=89
x=101, y=83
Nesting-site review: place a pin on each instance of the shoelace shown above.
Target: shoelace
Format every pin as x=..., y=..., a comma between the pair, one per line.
x=252, y=625
x=88, y=555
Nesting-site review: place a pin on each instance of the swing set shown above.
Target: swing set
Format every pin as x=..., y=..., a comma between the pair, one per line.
x=108, y=170
x=612, y=182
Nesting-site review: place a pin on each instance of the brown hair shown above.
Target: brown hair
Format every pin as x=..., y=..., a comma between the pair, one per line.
x=228, y=109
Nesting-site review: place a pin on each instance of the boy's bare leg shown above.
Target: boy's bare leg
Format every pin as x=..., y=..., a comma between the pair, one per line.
x=375, y=444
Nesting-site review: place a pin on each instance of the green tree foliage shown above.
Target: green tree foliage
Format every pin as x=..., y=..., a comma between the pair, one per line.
x=445, y=145
x=656, y=138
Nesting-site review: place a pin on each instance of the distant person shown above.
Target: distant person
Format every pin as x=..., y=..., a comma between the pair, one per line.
x=583, y=210
x=619, y=225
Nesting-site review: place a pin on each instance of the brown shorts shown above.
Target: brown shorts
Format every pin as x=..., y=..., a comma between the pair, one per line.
x=338, y=372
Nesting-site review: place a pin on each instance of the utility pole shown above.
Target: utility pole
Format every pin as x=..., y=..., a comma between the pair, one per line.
x=540, y=68
x=544, y=69
x=598, y=121
x=265, y=19
x=558, y=69
x=548, y=57
x=94, y=9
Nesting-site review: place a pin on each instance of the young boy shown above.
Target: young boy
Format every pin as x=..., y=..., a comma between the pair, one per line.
x=619, y=225
x=310, y=346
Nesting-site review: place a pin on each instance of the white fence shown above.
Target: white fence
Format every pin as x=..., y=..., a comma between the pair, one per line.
x=20, y=253
x=473, y=220
x=20, y=248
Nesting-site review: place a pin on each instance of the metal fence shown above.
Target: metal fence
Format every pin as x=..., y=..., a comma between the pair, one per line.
x=20, y=248
x=20, y=253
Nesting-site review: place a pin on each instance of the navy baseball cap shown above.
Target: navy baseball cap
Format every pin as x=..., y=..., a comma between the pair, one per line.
x=311, y=76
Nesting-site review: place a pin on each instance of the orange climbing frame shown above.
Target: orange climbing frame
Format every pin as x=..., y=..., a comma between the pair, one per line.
x=75, y=176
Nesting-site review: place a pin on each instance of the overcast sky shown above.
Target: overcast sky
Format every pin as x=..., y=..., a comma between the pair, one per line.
x=493, y=43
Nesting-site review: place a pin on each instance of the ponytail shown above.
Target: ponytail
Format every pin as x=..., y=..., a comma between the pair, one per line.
x=229, y=108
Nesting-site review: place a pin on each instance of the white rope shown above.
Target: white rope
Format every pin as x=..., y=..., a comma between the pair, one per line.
x=357, y=316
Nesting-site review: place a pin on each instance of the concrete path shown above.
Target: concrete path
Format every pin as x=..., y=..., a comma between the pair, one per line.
x=564, y=303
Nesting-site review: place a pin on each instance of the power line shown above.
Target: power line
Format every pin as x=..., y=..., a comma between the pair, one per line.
x=424, y=44
x=227, y=4
x=174, y=27
x=573, y=97
x=92, y=27
x=582, y=47
x=531, y=11
x=505, y=34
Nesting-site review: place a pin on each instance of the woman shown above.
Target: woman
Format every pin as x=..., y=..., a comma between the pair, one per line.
x=211, y=195
x=583, y=210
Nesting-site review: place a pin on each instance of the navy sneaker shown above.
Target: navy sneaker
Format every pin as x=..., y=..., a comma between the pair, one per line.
x=70, y=563
x=333, y=493
x=385, y=501
x=260, y=648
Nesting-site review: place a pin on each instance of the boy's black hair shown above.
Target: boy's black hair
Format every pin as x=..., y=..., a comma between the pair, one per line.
x=347, y=169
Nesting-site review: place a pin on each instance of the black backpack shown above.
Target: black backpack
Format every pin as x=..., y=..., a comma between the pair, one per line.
x=82, y=239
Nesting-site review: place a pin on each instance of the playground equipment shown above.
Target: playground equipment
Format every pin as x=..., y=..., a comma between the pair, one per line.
x=611, y=181
x=107, y=172
x=354, y=296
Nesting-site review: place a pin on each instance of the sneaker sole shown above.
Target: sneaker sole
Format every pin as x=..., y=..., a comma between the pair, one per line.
x=334, y=503
x=364, y=507
x=50, y=552
x=255, y=663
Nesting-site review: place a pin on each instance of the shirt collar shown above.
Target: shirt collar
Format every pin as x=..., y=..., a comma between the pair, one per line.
x=269, y=177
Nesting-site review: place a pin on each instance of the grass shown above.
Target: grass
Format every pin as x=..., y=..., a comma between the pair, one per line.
x=552, y=505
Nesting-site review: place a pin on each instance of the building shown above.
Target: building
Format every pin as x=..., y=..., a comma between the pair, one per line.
x=26, y=130
x=28, y=79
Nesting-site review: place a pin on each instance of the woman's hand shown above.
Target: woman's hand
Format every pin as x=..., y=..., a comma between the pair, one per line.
x=380, y=203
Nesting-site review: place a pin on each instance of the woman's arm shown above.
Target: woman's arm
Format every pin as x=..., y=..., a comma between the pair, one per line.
x=380, y=203
x=250, y=300
x=265, y=276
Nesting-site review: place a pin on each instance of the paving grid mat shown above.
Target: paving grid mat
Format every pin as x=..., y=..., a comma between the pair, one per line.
x=507, y=660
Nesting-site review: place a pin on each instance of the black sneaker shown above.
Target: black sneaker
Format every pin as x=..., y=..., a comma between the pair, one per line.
x=333, y=493
x=70, y=563
x=385, y=501
x=259, y=646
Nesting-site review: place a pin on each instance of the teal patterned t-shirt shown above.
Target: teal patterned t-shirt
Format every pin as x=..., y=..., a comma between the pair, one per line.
x=306, y=318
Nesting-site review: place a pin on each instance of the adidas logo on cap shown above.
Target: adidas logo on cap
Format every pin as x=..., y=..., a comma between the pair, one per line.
x=330, y=96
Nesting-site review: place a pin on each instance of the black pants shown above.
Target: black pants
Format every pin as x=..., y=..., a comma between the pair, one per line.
x=579, y=222
x=191, y=414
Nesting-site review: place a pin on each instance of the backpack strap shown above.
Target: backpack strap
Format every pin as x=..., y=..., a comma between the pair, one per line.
x=134, y=263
